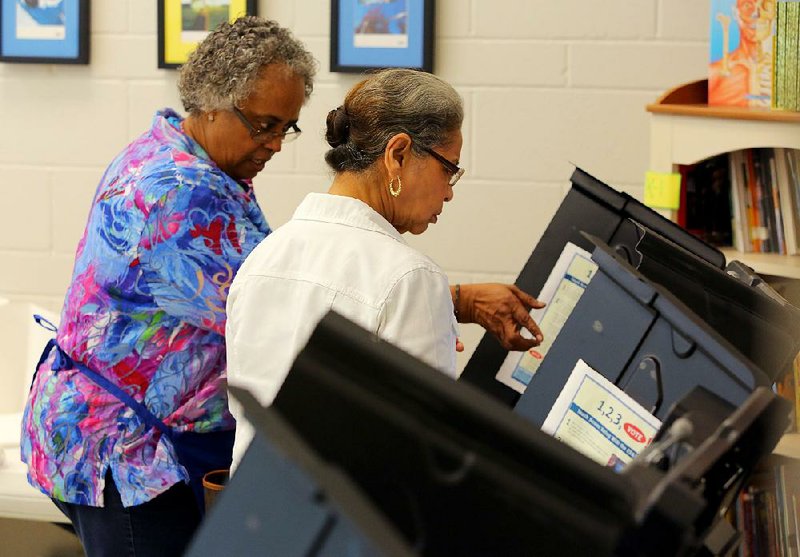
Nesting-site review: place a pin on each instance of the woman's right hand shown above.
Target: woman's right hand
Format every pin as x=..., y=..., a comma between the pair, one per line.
x=503, y=310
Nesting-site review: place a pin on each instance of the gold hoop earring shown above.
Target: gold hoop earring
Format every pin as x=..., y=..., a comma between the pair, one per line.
x=395, y=192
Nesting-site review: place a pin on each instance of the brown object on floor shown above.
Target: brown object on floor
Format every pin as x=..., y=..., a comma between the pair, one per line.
x=213, y=484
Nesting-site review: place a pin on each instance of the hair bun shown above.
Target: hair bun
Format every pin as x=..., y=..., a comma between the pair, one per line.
x=338, y=127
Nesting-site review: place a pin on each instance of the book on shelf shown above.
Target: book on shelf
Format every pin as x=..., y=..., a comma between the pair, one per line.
x=769, y=202
x=680, y=212
x=788, y=491
x=705, y=209
x=766, y=512
x=765, y=200
x=741, y=53
x=757, y=224
x=786, y=88
x=748, y=199
x=778, y=203
x=740, y=203
x=787, y=179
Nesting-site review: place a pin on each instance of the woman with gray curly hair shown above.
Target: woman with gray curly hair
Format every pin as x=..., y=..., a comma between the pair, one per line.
x=129, y=408
x=395, y=149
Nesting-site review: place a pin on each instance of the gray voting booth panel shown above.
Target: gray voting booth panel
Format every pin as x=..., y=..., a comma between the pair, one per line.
x=594, y=208
x=736, y=303
x=733, y=301
x=644, y=340
x=357, y=416
x=456, y=472
x=284, y=501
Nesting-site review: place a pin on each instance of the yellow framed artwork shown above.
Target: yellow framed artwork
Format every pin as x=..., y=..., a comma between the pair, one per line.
x=182, y=24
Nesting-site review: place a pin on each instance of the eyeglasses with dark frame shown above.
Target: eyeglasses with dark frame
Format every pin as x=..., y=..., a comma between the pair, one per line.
x=264, y=136
x=456, y=171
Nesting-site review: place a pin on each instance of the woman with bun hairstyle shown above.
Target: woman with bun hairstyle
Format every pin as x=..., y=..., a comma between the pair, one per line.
x=395, y=150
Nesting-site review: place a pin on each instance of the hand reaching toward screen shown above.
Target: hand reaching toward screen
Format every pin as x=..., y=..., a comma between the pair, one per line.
x=501, y=309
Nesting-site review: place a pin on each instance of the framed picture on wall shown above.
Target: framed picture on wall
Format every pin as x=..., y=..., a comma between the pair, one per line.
x=182, y=24
x=367, y=34
x=44, y=31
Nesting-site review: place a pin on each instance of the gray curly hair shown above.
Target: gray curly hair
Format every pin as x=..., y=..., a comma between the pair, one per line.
x=386, y=103
x=223, y=69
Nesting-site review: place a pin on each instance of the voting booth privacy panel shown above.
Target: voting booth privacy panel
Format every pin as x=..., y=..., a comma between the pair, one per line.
x=284, y=500
x=455, y=475
x=729, y=302
x=639, y=336
x=369, y=451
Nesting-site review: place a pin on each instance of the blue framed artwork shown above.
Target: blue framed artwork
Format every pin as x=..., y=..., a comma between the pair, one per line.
x=368, y=34
x=44, y=31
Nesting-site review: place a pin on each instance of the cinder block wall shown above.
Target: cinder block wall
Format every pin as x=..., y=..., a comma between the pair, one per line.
x=547, y=85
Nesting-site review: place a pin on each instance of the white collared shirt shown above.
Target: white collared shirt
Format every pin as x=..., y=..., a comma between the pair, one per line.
x=335, y=253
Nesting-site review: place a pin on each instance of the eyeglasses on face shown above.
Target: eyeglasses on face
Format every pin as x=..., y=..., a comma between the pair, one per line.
x=261, y=135
x=456, y=171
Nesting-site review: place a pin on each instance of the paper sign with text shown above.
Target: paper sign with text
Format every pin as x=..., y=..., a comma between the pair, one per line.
x=598, y=419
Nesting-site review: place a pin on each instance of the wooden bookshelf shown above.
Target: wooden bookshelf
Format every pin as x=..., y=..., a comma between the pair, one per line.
x=685, y=130
x=691, y=99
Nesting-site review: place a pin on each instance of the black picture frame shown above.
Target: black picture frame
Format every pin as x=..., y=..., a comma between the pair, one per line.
x=392, y=41
x=176, y=42
x=34, y=34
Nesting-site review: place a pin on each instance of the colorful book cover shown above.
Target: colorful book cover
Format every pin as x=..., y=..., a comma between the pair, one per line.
x=758, y=230
x=784, y=74
x=740, y=72
x=779, y=57
x=786, y=57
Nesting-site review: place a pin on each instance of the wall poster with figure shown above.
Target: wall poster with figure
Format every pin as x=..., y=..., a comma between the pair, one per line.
x=44, y=31
x=182, y=24
x=740, y=70
x=367, y=34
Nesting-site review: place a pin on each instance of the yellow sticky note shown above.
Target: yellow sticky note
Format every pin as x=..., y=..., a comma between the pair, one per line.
x=662, y=190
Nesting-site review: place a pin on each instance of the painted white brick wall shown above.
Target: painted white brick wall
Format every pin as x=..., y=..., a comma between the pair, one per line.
x=547, y=84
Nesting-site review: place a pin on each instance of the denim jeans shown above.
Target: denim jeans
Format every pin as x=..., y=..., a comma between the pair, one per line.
x=162, y=527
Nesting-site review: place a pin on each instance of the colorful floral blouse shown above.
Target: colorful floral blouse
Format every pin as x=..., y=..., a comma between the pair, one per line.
x=146, y=308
